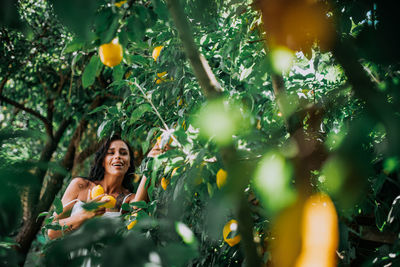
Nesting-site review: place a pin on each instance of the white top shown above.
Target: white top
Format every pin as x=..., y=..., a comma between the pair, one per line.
x=109, y=214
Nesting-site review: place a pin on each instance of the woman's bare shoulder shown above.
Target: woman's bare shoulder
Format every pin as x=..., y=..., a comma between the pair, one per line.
x=79, y=187
x=81, y=183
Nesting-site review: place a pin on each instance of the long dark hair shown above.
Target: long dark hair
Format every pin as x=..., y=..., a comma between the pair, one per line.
x=97, y=169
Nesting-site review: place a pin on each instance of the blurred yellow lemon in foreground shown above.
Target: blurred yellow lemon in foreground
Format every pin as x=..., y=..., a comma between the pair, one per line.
x=232, y=225
x=221, y=178
x=156, y=52
x=110, y=202
x=96, y=191
x=111, y=53
x=319, y=232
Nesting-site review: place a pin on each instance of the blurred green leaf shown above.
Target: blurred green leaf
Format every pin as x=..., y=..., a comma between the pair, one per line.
x=139, y=204
x=58, y=205
x=89, y=75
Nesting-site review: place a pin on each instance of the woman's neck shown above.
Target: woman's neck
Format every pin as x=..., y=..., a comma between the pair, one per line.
x=112, y=184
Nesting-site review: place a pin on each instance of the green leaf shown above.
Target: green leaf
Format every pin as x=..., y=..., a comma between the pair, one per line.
x=210, y=189
x=73, y=46
x=139, y=204
x=111, y=31
x=91, y=205
x=145, y=144
x=123, y=37
x=135, y=29
x=137, y=59
x=246, y=72
x=48, y=220
x=59, y=206
x=138, y=112
x=77, y=15
x=102, y=107
x=160, y=8
x=102, y=127
x=54, y=227
x=125, y=207
x=44, y=213
x=89, y=74
x=118, y=72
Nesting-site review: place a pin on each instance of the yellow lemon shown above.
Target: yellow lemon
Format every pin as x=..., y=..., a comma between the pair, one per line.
x=131, y=224
x=161, y=77
x=320, y=233
x=156, y=52
x=232, y=225
x=161, y=74
x=111, y=202
x=221, y=178
x=119, y=4
x=111, y=53
x=96, y=191
x=164, y=183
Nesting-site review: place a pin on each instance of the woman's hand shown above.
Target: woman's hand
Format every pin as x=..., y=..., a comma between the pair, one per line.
x=157, y=150
x=88, y=214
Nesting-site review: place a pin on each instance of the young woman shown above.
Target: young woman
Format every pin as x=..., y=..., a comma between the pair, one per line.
x=113, y=169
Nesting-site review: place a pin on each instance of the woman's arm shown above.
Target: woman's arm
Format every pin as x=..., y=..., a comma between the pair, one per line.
x=141, y=192
x=75, y=221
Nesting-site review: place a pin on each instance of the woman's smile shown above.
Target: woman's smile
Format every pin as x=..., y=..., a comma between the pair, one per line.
x=117, y=158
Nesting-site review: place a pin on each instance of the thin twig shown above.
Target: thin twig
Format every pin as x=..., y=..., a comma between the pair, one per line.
x=158, y=115
x=152, y=105
x=256, y=41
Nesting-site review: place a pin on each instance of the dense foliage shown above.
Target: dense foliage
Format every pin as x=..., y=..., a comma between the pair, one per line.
x=305, y=99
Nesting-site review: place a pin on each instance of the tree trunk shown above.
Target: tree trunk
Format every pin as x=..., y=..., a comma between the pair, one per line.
x=33, y=224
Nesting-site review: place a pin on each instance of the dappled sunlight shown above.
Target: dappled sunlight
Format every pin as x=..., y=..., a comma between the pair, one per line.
x=272, y=181
x=282, y=59
x=220, y=120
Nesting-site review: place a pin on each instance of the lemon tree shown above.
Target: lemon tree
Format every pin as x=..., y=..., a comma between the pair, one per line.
x=266, y=104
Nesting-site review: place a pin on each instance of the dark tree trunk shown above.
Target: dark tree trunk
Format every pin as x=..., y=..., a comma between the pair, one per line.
x=33, y=224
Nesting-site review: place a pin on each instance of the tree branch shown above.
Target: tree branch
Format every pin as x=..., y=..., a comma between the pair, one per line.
x=345, y=53
x=30, y=228
x=47, y=124
x=212, y=89
x=87, y=152
x=202, y=70
x=372, y=234
x=2, y=84
x=61, y=129
x=61, y=84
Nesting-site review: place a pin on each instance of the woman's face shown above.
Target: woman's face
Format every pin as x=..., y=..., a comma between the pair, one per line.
x=117, y=159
